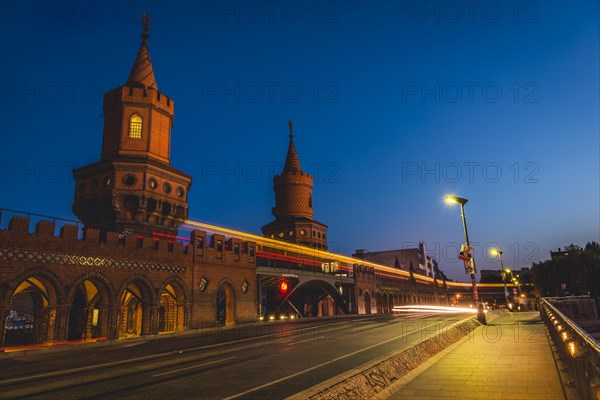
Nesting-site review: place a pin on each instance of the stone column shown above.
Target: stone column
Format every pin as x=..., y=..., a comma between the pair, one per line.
x=58, y=320
x=4, y=310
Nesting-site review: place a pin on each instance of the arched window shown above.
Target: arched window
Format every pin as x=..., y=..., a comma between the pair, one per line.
x=135, y=126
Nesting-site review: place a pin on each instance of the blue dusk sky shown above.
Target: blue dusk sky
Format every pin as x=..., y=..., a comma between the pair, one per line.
x=395, y=104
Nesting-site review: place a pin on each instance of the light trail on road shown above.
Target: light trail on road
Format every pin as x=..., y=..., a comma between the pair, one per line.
x=292, y=357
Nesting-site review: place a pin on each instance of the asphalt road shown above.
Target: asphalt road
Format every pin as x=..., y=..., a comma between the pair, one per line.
x=266, y=361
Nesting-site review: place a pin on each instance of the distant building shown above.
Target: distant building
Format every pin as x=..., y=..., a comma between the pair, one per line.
x=559, y=253
x=402, y=259
x=490, y=274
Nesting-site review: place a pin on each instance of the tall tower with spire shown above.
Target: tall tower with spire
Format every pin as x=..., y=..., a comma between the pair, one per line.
x=293, y=211
x=133, y=187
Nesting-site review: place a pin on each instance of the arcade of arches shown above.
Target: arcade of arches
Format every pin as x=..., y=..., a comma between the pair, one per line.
x=38, y=309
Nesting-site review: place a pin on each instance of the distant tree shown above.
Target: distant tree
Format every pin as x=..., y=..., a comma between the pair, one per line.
x=579, y=270
x=572, y=248
x=592, y=247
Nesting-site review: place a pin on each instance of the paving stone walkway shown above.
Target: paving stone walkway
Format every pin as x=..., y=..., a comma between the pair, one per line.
x=510, y=358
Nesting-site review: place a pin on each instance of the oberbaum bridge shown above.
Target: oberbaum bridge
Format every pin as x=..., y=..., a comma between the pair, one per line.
x=127, y=272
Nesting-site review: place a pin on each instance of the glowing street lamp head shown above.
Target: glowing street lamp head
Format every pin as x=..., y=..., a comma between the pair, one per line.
x=496, y=252
x=455, y=199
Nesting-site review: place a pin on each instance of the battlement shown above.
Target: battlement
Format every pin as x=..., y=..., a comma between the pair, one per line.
x=294, y=174
x=140, y=95
x=131, y=246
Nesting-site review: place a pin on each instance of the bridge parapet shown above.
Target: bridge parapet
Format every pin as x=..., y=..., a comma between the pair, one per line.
x=20, y=234
x=578, y=349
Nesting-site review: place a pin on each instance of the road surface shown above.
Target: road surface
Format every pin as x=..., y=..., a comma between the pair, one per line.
x=265, y=361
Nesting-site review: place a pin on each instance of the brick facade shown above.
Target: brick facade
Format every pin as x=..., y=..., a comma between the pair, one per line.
x=58, y=266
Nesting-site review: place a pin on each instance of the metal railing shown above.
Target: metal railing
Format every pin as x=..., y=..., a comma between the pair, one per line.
x=578, y=350
x=10, y=212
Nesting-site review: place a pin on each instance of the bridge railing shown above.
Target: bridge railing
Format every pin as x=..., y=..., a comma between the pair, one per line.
x=7, y=213
x=579, y=350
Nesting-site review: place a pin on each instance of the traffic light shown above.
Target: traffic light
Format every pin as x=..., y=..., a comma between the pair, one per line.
x=283, y=287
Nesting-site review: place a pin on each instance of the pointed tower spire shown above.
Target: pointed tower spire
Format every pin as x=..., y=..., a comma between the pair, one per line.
x=292, y=162
x=142, y=74
x=293, y=211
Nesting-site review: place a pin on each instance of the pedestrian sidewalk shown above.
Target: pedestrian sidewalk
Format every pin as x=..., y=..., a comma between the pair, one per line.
x=510, y=358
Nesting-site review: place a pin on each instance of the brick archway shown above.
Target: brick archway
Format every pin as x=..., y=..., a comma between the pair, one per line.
x=90, y=302
x=225, y=303
x=173, y=304
x=367, y=300
x=136, y=303
x=29, y=312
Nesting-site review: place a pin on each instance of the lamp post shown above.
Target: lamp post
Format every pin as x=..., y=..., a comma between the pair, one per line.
x=516, y=282
x=478, y=304
x=498, y=252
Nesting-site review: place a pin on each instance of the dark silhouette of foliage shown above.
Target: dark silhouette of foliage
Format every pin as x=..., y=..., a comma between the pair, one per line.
x=579, y=270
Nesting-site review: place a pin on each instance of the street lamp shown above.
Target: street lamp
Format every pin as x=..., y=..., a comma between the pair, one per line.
x=498, y=252
x=454, y=199
x=516, y=282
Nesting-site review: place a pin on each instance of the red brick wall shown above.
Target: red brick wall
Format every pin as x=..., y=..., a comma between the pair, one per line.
x=62, y=263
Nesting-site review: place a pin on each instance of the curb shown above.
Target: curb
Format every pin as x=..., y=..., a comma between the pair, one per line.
x=368, y=380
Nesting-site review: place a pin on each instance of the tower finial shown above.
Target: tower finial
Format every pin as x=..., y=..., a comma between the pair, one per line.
x=291, y=125
x=146, y=22
x=142, y=74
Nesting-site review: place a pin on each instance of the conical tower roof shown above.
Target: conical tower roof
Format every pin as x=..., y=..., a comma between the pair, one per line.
x=142, y=74
x=292, y=162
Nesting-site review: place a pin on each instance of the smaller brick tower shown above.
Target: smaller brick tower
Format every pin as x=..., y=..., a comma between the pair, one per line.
x=133, y=187
x=293, y=211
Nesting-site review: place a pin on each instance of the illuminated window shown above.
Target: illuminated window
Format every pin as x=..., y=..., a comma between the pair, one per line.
x=135, y=126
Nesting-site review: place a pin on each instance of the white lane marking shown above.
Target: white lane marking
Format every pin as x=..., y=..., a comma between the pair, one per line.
x=81, y=369
x=194, y=366
x=68, y=371
x=285, y=378
x=402, y=318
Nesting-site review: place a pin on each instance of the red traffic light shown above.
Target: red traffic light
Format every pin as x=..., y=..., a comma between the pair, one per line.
x=283, y=286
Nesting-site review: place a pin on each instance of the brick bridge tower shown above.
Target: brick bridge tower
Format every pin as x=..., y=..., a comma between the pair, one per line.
x=133, y=187
x=293, y=209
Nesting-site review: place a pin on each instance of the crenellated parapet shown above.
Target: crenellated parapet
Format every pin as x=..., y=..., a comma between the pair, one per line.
x=122, y=94
x=93, y=247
